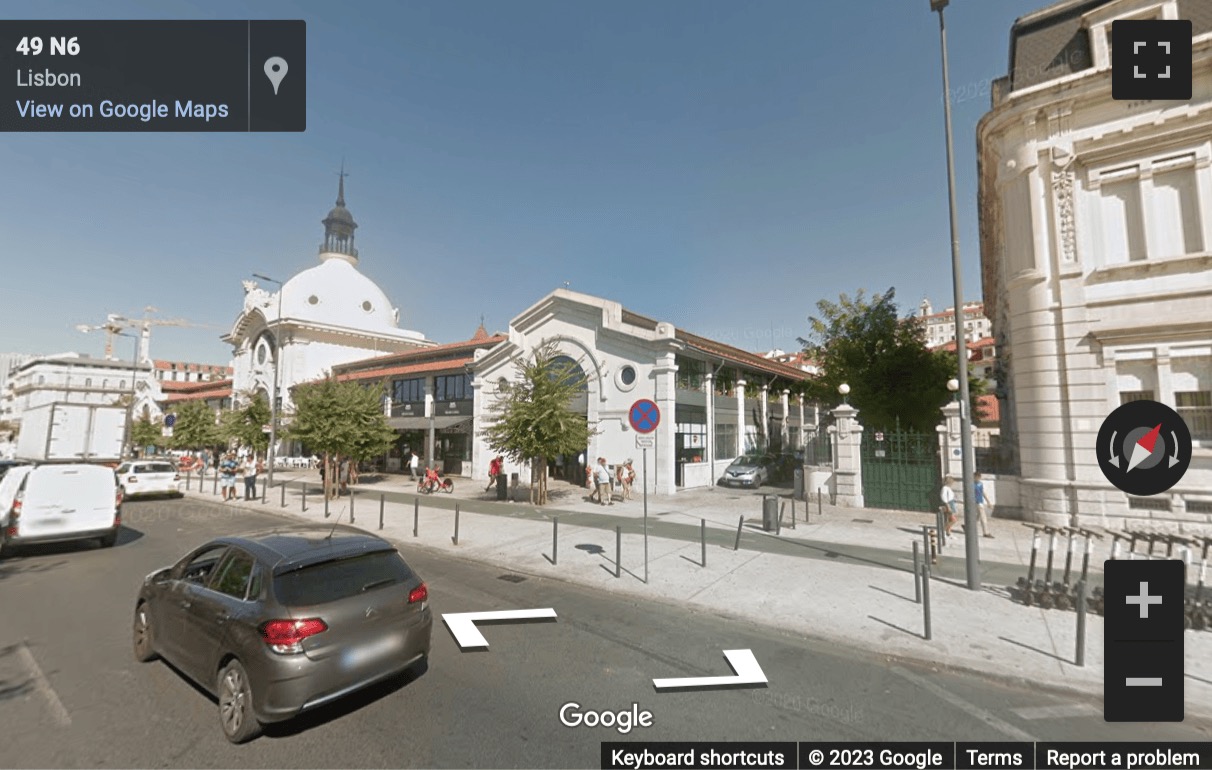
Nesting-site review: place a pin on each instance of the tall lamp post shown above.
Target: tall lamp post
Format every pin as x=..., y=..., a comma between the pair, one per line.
x=971, y=543
x=273, y=398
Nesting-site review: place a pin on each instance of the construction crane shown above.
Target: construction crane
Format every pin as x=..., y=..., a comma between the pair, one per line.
x=117, y=324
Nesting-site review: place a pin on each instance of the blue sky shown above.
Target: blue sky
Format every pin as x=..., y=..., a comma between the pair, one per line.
x=720, y=165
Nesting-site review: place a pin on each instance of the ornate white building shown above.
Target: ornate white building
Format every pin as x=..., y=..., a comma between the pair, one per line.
x=1096, y=230
x=326, y=315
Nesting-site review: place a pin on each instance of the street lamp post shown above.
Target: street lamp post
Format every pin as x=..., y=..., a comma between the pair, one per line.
x=844, y=389
x=971, y=543
x=273, y=397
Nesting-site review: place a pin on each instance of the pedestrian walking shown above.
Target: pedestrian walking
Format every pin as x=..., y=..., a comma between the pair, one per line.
x=250, y=478
x=602, y=477
x=205, y=459
x=494, y=470
x=626, y=477
x=593, y=487
x=343, y=475
x=982, y=504
x=414, y=464
x=947, y=495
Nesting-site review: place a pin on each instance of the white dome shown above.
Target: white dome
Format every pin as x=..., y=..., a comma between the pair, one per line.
x=334, y=293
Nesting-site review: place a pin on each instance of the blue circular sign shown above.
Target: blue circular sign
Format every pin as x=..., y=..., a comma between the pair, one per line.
x=170, y=420
x=644, y=416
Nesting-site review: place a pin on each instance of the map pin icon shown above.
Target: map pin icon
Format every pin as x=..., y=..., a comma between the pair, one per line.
x=275, y=70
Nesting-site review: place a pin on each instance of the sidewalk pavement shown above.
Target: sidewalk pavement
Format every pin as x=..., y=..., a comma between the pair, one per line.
x=844, y=576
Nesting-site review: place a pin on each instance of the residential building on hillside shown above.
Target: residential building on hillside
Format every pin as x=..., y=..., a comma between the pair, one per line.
x=940, y=327
x=1096, y=230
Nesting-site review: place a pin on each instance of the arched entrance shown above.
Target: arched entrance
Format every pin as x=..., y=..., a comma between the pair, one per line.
x=572, y=469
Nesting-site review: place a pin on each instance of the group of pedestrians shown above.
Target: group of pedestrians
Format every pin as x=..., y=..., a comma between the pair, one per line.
x=950, y=508
x=232, y=467
x=601, y=481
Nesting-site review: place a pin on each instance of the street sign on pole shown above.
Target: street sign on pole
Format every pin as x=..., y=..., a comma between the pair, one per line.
x=644, y=416
x=167, y=431
x=645, y=442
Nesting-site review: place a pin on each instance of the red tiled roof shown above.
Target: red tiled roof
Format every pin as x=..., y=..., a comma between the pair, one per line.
x=396, y=371
x=740, y=357
x=194, y=387
x=983, y=342
x=185, y=366
x=202, y=396
x=990, y=408
x=379, y=362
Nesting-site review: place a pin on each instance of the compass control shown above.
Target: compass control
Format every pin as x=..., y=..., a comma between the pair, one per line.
x=1144, y=448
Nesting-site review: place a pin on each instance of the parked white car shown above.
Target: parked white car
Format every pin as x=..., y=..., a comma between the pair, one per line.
x=149, y=477
x=59, y=503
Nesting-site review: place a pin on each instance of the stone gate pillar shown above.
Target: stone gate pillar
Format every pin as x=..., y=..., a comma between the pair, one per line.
x=950, y=448
x=847, y=437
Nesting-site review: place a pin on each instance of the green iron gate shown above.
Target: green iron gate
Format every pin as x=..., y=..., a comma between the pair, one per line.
x=900, y=470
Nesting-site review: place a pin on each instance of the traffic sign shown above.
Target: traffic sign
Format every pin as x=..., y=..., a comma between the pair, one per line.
x=645, y=442
x=170, y=420
x=644, y=416
x=167, y=431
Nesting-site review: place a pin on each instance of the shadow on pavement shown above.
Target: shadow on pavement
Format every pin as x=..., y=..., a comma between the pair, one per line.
x=892, y=593
x=1052, y=655
x=898, y=628
x=11, y=689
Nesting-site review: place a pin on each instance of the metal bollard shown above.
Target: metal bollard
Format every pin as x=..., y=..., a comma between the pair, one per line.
x=303, y=499
x=351, y=505
x=555, y=539
x=926, y=599
x=215, y=489
x=793, y=511
x=778, y=523
x=416, y=515
x=820, y=495
x=917, y=575
x=456, y=534
x=703, y=538
x=326, y=504
x=1081, y=624
x=283, y=501
x=739, y=525
x=929, y=553
x=264, y=490
x=618, y=551
x=188, y=477
x=381, y=500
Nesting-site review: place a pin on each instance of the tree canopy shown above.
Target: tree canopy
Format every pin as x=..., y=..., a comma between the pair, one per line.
x=195, y=427
x=145, y=433
x=247, y=424
x=893, y=377
x=532, y=419
x=344, y=419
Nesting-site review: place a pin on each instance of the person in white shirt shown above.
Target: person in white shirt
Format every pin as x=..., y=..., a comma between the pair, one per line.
x=414, y=463
x=601, y=475
x=947, y=494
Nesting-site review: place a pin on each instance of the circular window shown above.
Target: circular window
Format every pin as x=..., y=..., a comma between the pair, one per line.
x=313, y=300
x=367, y=306
x=625, y=377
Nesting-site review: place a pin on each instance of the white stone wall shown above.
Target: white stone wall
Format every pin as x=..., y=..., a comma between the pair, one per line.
x=1084, y=319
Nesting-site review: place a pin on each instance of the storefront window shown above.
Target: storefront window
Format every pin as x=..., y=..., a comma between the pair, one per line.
x=725, y=441
x=690, y=373
x=452, y=387
x=408, y=391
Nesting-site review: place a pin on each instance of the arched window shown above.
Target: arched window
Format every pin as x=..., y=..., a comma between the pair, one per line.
x=565, y=366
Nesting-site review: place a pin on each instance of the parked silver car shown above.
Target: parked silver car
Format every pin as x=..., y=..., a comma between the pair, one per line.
x=748, y=471
x=279, y=622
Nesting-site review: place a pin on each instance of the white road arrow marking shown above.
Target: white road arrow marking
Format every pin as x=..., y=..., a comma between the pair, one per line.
x=743, y=664
x=462, y=625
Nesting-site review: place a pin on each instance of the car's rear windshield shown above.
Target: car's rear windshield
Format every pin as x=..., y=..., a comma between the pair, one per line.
x=155, y=468
x=332, y=581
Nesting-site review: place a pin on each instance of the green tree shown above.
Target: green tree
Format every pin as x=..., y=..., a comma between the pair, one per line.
x=195, y=427
x=146, y=433
x=340, y=420
x=246, y=424
x=532, y=420
x=893, y=377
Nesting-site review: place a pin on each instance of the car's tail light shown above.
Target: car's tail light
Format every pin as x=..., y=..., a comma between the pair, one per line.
x=118, y=498
x=117, y=519
x=132, y=479
x=418, y=594
x=286, y=636
x=14, y=515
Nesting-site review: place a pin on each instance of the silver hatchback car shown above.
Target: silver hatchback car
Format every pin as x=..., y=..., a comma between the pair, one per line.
x=279, y=622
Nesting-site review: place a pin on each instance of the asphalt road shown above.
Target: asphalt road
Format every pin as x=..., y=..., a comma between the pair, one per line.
x=72, y=695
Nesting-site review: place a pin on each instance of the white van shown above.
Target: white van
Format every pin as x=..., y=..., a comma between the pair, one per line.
x=56, y=503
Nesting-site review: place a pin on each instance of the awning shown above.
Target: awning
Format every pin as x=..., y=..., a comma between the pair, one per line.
x=422, y=423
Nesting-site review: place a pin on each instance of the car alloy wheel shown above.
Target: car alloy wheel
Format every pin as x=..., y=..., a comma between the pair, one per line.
x=235, y=704
x=145, y=649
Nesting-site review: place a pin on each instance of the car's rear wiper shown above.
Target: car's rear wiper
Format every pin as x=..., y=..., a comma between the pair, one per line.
x=377, y=584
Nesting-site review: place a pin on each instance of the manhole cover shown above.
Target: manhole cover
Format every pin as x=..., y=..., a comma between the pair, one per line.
x=864, y=521
x=511, y=578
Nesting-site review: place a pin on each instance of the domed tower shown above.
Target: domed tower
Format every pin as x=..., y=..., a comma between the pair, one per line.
x=339, y=228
